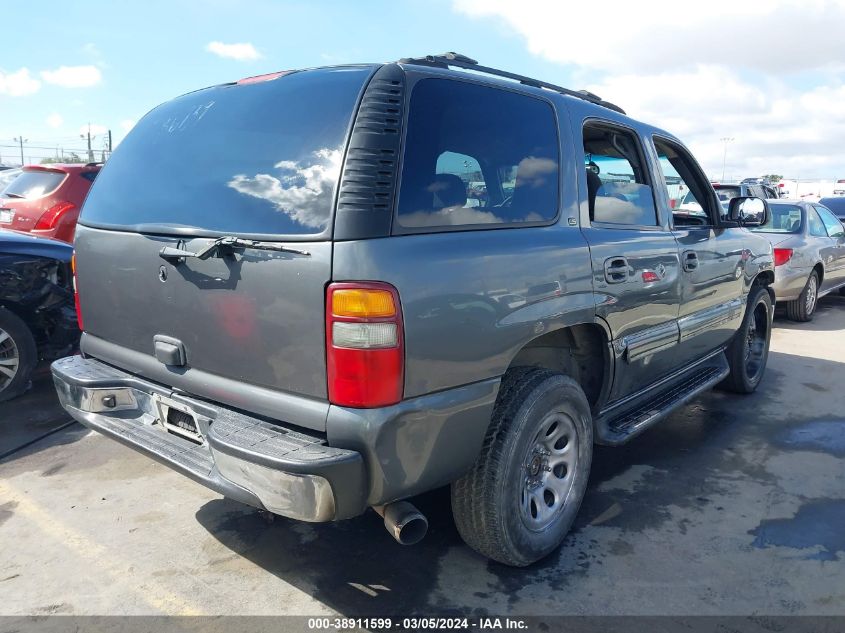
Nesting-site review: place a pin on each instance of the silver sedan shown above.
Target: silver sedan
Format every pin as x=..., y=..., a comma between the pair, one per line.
x=809, y=245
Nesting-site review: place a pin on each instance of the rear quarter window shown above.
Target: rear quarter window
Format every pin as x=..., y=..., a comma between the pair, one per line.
x=477, y=156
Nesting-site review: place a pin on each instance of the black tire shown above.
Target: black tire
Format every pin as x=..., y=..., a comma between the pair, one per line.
x=494, y=504
x=804, y=307
x=16, y=341
x=749, y=351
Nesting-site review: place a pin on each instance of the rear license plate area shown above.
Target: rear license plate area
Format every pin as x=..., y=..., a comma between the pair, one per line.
x=6, y=216
x=183, y=424
x=178, y=419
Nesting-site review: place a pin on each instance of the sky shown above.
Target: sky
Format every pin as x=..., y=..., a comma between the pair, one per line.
x=769, y=76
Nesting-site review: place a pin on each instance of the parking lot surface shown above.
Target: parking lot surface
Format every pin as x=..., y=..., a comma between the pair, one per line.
x=734, y=505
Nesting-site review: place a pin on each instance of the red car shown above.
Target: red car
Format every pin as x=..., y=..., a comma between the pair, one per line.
x=45, y=199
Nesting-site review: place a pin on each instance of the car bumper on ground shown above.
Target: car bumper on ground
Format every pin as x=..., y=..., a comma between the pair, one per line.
x=366, y=457
x=790, y=282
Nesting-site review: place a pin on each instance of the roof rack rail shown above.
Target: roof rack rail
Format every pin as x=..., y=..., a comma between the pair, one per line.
x=456, y=60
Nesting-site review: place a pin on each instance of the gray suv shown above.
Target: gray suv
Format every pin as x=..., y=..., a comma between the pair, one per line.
x=321, y=291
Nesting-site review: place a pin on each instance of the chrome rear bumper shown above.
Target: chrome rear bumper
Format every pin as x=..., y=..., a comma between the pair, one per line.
x=283, y=470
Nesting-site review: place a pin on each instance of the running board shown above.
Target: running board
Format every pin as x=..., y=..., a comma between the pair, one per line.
x=616, y=427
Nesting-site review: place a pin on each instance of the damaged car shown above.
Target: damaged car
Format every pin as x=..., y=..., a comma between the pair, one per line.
x=37, y=314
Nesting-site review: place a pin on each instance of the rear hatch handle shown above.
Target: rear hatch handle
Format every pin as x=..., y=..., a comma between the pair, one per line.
x=223, y=245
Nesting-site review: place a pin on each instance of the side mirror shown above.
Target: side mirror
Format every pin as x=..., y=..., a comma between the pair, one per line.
x=748, y=211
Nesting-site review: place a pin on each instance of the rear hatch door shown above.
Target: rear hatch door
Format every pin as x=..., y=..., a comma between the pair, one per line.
x=257, y=160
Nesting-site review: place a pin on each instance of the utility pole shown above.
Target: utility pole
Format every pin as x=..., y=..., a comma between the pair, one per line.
x=21, y=140
x=110, y=143
x=90, y=153
x=725, y=140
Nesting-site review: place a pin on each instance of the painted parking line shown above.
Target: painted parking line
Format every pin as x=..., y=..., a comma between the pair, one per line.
x=104, y=560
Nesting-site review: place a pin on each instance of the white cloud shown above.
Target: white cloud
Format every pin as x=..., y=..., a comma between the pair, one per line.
x=55, y=120
x=778, y=35
x=73, y=76
x=302, y=190
x=242, y=52
x=704, y=71
x=18, y=83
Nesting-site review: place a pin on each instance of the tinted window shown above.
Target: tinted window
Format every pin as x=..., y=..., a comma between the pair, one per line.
x=815, y=226
x=617, y=186
x=34, y=184
x=476, y=155
x=784, y=218
x=832, y=224
x=837, y=205
x=695, y=208
x=261, y=158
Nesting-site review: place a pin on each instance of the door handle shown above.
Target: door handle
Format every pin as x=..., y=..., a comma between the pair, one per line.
x=690, y=260
x=616, y=270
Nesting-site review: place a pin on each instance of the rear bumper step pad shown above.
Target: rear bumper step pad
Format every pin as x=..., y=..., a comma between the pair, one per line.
x=283, y=470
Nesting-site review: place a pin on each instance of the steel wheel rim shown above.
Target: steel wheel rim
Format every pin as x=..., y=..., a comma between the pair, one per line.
x=9, y=359
x=548, y=471
x=755, y=341
x=812, y=295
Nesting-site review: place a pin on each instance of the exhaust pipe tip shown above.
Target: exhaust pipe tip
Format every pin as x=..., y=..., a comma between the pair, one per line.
x=403, y=522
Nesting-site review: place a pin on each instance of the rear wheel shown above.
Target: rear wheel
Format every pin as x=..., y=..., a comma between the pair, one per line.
x=521, y=496
x=749, y=351
x=18, y=355
x=804, y=307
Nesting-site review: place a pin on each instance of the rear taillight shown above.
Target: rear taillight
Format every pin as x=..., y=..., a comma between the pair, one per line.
x=75, y=291
x=50, y=218
x=364, y=354
x=782, y=255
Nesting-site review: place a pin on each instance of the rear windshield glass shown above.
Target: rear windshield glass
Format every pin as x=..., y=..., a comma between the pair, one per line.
x=255, y=158
x=33, y=184
x=784, y=218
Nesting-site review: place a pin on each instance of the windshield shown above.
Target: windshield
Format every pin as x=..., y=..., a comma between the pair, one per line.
x=33, y=184
x=259, y=158
x=784, y=218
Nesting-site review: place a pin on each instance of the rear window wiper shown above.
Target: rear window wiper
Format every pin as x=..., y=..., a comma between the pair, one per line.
x=9, y=194
x=222, y=245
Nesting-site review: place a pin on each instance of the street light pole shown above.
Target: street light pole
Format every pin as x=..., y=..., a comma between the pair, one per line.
x=725, y=140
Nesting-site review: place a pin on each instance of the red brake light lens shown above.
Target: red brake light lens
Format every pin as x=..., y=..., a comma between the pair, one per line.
x=782, y=255
x=51, y=216
x=364, y=344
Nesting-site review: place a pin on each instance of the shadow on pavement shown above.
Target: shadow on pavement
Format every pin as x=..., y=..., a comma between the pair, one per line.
x=355, y=568
x=829, y=316
x=31, y=416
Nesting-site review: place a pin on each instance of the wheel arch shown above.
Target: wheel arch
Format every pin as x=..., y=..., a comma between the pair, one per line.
x=581, y=351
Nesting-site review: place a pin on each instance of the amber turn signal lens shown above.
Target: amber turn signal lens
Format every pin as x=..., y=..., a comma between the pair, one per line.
x=362, y=303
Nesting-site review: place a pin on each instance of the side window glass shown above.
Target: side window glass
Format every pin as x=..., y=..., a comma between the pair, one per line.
x=689, y=190
x=832, y=224
x=477, y=156
x=617, y=186
x=814, y=223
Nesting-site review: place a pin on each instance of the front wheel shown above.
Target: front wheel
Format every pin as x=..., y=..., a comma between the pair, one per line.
x=749, y=351
x=520, y=498
x=18, y=355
